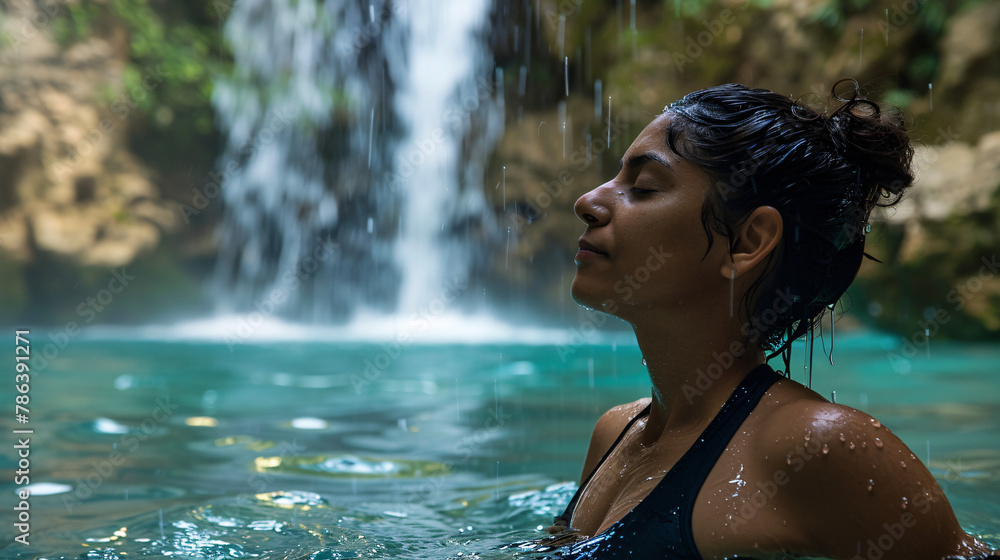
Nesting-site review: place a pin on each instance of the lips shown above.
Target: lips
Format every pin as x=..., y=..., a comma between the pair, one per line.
x=587, y=246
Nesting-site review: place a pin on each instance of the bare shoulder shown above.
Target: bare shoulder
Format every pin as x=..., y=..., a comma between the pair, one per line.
x=607, y=430
x=851, y=481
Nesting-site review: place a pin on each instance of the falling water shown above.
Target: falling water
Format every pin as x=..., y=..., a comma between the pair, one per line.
x=439, y=93
x=344, y=182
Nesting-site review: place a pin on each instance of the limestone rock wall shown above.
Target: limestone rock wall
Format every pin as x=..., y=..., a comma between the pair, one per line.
x=70, y=186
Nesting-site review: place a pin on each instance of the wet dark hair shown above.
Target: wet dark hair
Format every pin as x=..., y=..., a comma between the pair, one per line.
x=823, y=173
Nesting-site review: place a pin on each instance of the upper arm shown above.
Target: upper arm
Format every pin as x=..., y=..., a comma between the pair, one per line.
x=609, y=426
x=851, y=482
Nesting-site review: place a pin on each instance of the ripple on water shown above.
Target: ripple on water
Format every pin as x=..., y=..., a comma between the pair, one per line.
x=350, y=466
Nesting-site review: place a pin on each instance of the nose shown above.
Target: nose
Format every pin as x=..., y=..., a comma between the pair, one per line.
x=592, y=207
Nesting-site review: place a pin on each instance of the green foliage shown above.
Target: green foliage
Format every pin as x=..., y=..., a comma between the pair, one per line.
x=899, y=98
x=14, y=293
x=174, y=50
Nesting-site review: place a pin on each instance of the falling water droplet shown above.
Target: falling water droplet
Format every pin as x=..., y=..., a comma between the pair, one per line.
x=635, y=46
x=861, y=47
x=826, y=449
x=609, y=121
x=887, y=27
x=832, y=321
x=566, y=74
x=598, y=96
x=561, y=35
x=927, y=335
x=506, y=262
x=930, y=94
x=371, y=136
x=878, y=443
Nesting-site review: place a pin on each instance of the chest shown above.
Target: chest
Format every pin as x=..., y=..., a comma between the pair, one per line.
x=733, y=511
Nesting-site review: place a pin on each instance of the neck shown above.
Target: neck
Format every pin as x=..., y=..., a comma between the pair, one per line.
x=694, y=364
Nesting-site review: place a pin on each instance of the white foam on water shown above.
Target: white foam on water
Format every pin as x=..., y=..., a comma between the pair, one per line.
x=451, y=328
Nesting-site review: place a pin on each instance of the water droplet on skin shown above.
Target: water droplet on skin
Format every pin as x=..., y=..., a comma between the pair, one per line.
x=902, y=464
x=904, y=504
x=808, y=435
x=788, y=459
x=864, y=445
x=876, y=423
x=871, y=484
x=878, y=443
x=826, y=449
x=843, y=438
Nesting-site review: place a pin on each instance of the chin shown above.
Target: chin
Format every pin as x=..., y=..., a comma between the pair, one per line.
x=593, y=298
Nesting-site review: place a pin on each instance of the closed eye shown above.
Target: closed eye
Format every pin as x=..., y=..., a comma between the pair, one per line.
x=641, y=191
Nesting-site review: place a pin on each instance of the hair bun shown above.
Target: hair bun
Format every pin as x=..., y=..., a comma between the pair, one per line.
x=873, y=141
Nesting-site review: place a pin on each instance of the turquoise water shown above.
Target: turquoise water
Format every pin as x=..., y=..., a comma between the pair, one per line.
x=288, y=450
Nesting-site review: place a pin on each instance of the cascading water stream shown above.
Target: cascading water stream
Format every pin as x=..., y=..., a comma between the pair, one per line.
x=437, y=94
x=357, y=134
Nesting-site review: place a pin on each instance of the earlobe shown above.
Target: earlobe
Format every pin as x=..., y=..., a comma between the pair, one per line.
x=756, y=238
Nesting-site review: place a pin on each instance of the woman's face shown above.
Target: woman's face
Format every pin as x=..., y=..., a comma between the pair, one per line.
x=644, y=247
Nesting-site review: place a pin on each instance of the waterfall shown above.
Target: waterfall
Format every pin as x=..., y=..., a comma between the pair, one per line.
x=356, y=139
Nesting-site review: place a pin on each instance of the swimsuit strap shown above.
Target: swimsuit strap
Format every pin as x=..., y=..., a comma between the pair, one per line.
x=568, y=514
x=661, y=525
x=695, y=465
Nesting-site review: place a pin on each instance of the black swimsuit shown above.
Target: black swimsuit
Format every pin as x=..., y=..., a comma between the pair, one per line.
x=660, y=526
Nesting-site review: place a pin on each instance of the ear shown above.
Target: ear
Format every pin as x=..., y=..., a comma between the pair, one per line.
x=756, y=238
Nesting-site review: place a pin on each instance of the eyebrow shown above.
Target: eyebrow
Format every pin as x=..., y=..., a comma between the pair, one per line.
x=638, y=161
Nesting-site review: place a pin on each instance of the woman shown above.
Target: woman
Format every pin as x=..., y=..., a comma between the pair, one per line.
x=737, y=219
